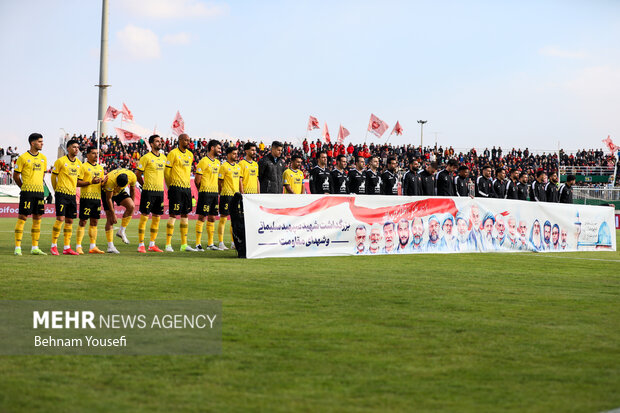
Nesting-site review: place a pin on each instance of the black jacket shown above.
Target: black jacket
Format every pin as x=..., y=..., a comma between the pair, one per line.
x=511, y=190
x=522, y=190
x=357, y=181
x=499, y=188
x=566, y=194
x=461, y=186
x=389, y=183
x=373, y=183
x=484, y=187
x=270, y=172
x=551, y=192
x=320, y=181
x=428, y=183
x=412, y=185
x=537, y=192
x=445, y=184
x=340, y=182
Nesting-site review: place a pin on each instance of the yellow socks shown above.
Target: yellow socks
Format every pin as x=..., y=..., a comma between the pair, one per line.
x=170, y=230
x=125, y=221
x=154, y=228
x=199, y=226
x=19, y=232
x=56, y=231
x=142, y=227
x=68, y=231
x=35, y=232
x=80, y=235
x=221, y=228
x=210, y=232
x=183, y=226
x=92, y=234
x=109, y=234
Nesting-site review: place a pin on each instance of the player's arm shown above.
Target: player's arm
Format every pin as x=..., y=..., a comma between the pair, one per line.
x=140, y=177
x=17, y=177
x=303, y=187
x=168, y=169
x=132, y=192
x=287, y=185
x=197, y=180
x=257, y=185
x=241, y=184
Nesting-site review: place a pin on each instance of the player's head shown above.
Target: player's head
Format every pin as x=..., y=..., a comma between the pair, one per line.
x=392, y=163
x=360, y=162
x=414, y=165
x=500, y=173
x=73, y=147
x=184, y=141
x=374, y=163
x=250, y=150
x=463, y=171
x=156, y=142
x=570, y=180
x=432, y=167
x=276, y=148
x=486, y=171
x=321, y=158
x=295, y=162
x=523, y=177
x=553, y=177
x=92, y=153
x=452, y=165
x=540, y=176
x=214, y=147
x=122, y=180
x=231, y=154
x=36, y=141
x=341, y=161
x=514, y=174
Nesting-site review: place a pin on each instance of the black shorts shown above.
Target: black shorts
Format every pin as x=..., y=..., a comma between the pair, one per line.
x=152, y=202
x=90, y=208
x=225, y=203
x=207, y=204
x=66, y=206
x=31, y=203
x=119, y=198
x=180, y=200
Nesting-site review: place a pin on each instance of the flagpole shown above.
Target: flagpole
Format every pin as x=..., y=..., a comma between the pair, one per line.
x=99, y=122
x=391, y=133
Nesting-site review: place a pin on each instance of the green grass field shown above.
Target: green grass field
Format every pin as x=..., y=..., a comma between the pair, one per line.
x=472, y=332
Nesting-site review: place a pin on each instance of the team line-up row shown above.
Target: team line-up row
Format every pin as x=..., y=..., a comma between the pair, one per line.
x=217, y=183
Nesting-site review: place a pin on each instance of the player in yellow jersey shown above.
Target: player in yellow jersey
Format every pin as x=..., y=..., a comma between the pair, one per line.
x=150, y=174
x=293, y=177
x=229, y=178
x=113, y=190
x=178, y=179
x=28, y=175
x=249, y=170
x=89, y=180
x=206, y=180
x=64, y=182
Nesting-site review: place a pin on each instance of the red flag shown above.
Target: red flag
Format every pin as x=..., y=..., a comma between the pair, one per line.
x=110, y=114
x=127, y=137
x=326, y=134
x=342, y=133
x=313, y=123
x=376, y=126
x=398, y=130
x=127, y=115
x=610, y=144
x=178, y=125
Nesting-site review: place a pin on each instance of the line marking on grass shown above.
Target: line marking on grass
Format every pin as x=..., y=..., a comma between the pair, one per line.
x=612, y=411
x=577, y=258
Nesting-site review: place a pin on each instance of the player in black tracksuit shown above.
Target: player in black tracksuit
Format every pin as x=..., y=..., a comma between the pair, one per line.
x=373, y=180
x=551, y=188
x=566, y=190
x=445, y=181
x=340, y=181
x=511, y=185
x=484, y=185
x=412, y=185
x=522, y=187
x=357, y=177
x=320, y=178
x=427, y=177
x=389, y=180
x=499, y=183
x=537, y=189
x=461, y=181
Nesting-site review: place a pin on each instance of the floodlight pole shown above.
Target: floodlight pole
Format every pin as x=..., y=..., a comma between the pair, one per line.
x=103, y=68
x=422, y=122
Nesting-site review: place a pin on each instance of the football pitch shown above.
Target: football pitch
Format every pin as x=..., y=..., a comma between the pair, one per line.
x=462, y=332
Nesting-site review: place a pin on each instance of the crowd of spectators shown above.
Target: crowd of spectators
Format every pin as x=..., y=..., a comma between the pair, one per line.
x=115, y=154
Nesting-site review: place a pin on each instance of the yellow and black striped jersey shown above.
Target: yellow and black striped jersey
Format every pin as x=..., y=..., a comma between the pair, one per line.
x=87, y=173
x=111, y=186
x=180, y=167
x=209, y=169
x=230, y=173
x=152, y=166
x=32, y=169
x=66, y=172
x=249, y=174
x=295, y=179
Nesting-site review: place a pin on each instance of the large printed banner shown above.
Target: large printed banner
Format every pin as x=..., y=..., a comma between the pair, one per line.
x=326, y=225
